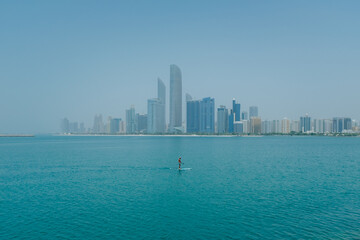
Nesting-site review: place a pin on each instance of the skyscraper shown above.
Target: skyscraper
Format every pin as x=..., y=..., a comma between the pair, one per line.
x=82, y=128
x=161, y=117
x=200, y=116
x=193, y=116
x=266, y=126
x=253, y=111
x=276, y=126
x=238, y=127
x=340, y=124
x=244, y=115
x=207, y=115
x=65, y=126
x=156, y=110
x=222, y=120
x=130, y=121
x=98, y=124
x=175, y=99
x=236, y=110
x=141, y=123
x=246, y=126
x=285, y=125
x=115, y=125
x=255, y=125
x=74, y=127
x=305, y=124
x=154, y=124
x=295, y=126
x=231, y=121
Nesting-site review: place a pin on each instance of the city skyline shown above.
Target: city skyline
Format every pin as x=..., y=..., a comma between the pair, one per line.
x=200, y=118
x=76, y=59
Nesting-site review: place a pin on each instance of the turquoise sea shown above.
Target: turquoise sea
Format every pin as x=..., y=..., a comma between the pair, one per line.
x=128, y=187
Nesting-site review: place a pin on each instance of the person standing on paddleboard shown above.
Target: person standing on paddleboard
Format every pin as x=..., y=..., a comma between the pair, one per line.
x=179, y=162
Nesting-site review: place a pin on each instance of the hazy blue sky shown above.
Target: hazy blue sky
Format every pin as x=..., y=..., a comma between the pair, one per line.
x=78, y=58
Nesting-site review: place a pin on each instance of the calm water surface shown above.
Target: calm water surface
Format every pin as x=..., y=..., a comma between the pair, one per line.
x=128, y=188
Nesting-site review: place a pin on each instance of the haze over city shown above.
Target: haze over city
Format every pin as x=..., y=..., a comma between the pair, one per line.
x=78, y=59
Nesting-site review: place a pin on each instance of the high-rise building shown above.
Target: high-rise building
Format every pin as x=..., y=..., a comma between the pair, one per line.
x=253, y=111
x=266, y=126
x=328, y=125
x=285, y=126
x=305, y=124
x=115, y=125
x=236, y=110
x=323, y=125
x=108, y=125
x=74, y=127
x=193, y=116
x=141, y=122
x=65, y=125
x=222, y=120
x=295, y=126
x=130, y=120
x=175, y=99
x=246, y=126
x=276, y=126
x=82, y=128
x=255, y=125
x=231, y=121
x=207, y=115
x=238, y=127
x=161, y=116
x=347, y=124
x=155, y=123
x=244, y=115
x=340, y=124
x=98, y=124
x=122, y=128
x=200, y=116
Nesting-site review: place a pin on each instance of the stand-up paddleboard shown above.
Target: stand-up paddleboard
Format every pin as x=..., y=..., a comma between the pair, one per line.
x=184, y=169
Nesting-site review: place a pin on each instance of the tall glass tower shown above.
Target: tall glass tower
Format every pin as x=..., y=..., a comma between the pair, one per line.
x=175, y=98
x=161, y=118
x=236, y=110
x=253, y=111
x=156, y=111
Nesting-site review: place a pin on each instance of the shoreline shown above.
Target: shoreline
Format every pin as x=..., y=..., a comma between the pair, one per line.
x=210, y=135
x=17, y=135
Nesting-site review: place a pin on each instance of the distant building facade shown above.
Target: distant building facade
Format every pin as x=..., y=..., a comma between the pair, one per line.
x=341, y=124
x=200, y=116
x=285, y=126
x=154, y=124
x=244, y=115
x=175, y=99
x=141, y=123
x=305, y=124
x=222, y=120
x=115, y=125
x=98, y=124
x=65, y=125
x=255, y=123
x=253, y=111
x=207, y=115
x=236, y=110
x=130, y=121
x=193, y=116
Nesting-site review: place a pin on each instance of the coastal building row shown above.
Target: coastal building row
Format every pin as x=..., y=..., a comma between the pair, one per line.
x=200, y=118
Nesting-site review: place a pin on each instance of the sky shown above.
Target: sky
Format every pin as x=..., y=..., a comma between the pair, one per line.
x=76, y=59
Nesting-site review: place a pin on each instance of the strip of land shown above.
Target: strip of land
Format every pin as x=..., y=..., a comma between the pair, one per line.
x=16, y=135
